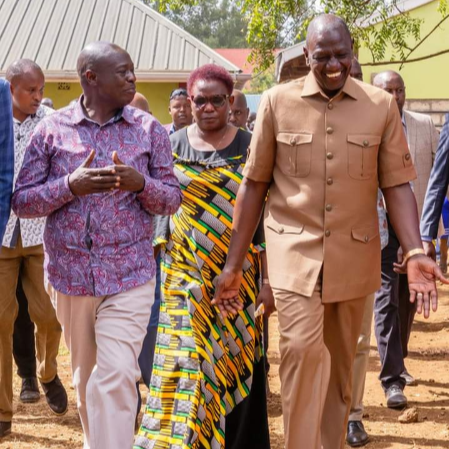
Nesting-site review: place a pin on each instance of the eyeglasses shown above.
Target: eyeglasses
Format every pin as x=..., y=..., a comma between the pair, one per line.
x=217, y=101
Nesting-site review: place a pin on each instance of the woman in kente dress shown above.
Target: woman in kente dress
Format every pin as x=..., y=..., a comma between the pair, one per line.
x=208, y=384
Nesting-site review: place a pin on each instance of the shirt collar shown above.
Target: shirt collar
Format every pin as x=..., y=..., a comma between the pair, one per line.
x=79, y=114
x=40, y=113
x=311, y=88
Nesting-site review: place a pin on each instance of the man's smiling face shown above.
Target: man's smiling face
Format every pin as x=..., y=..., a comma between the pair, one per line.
x=329, y=51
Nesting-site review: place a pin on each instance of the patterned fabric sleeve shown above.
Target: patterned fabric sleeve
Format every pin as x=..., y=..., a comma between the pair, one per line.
x=161, y=194
x=34, y=196
x=6, y=155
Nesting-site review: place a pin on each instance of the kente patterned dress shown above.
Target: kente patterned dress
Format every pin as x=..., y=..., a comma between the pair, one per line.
x=208, y=384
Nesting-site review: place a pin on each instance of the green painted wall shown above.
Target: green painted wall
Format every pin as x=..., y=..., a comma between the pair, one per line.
x=426, y=79
x=157, y=95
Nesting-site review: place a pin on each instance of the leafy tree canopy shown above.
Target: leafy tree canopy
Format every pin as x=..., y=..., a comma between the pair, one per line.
x=216, y=23
x=270, y=24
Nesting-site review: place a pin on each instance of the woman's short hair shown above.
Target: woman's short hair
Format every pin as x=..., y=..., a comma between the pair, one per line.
x=210, y=72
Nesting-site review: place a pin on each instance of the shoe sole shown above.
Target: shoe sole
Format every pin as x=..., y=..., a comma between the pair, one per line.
x=59, y=413
x=359, y=444
x=30, y=401
x=397, y=406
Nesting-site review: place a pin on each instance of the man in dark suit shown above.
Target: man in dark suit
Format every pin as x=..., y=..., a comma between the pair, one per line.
x=6, y=154
x=436, y=192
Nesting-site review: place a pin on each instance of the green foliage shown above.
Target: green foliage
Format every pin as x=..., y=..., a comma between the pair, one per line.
x=261, y=82
x=270, y=24
x=216, y=23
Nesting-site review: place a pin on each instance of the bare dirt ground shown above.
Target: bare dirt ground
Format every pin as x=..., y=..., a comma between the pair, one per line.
x=34, y=427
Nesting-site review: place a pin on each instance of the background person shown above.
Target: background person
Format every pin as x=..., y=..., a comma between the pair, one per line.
x=208, y=380
x=436, y=192
x=393, y=312
x=239, y=111
x=47, y=102
x=140, y=102
x=6, y=185
x=180, y=110
x=99, y=170
x=22, y=256
x=251, y=121
x=6, y=154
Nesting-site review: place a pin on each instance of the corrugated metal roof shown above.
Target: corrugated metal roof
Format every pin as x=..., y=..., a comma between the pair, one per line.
x=53, y=32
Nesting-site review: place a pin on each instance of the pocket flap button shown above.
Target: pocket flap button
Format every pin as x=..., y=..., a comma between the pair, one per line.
x=281, y=230
x=366, y=238
x=365, y=143
x=293, y=142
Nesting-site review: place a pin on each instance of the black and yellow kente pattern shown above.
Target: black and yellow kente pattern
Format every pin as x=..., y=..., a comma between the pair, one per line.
x=203, y=365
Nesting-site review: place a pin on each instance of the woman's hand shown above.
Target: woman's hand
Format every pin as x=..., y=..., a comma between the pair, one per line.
x=227, y=287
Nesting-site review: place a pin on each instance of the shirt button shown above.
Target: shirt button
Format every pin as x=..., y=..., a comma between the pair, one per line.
x=293, y=142
x=366, y=238
x=327, y=233
x=330, y=130
x=330, y=106
x=281, y=230
x=365, y=143
x=330, y=155
x=328, y=207
x=407, y=156
x=330, y=181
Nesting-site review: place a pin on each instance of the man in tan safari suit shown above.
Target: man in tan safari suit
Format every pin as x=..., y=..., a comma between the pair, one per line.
x=322, y=145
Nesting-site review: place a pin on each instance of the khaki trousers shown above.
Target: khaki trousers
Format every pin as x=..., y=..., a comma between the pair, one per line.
x=104, y=335
x=317, y=346
x=29, y=264
x=361, y=362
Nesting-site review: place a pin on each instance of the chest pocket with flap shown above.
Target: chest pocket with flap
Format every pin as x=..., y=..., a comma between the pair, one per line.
x=294, y=153
x=362, y=155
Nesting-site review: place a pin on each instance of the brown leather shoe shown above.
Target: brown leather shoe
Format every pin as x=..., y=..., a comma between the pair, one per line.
x=5, y=428
x=30, y=391
x=56, y=396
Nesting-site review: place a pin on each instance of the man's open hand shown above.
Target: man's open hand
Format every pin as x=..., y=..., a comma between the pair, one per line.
x=422, y=274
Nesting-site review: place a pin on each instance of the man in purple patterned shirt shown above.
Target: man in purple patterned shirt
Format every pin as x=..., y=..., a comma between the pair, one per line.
x=98, y=170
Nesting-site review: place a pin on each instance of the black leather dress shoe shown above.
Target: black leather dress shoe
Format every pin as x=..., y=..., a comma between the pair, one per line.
x=56, y=396
x=395, y=397
x=356, y=436
x=5, y=428
x=30, y=390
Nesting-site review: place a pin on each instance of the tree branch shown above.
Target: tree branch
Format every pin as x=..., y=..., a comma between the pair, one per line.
x=424, y=38
x=405, y=61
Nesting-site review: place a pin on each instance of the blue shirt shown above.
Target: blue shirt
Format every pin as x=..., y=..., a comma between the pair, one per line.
x=6, y=155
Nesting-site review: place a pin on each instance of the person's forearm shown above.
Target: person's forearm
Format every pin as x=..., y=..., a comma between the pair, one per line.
x=403, y=214
x=41, y=200
x=248, y=209
x=161, y=196
x=264, y=264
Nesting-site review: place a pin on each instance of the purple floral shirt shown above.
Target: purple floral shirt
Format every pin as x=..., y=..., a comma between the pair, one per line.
x=99, y=244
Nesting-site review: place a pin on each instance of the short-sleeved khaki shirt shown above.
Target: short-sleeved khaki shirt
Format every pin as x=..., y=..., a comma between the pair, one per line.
x=325, y=159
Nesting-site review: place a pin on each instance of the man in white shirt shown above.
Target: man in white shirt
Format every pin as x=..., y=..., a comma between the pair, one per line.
x=22, y=257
